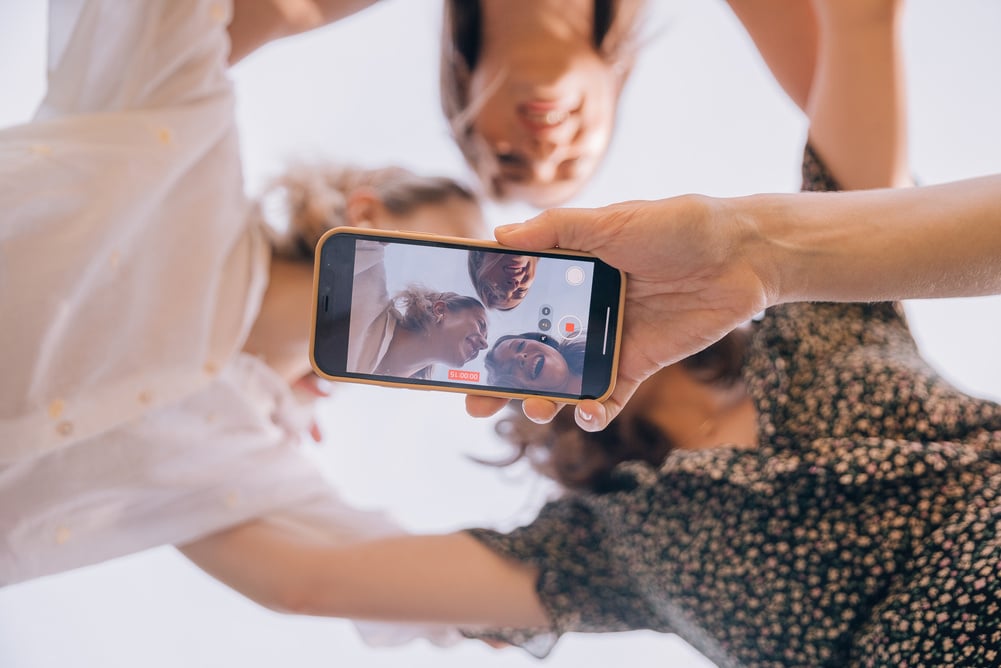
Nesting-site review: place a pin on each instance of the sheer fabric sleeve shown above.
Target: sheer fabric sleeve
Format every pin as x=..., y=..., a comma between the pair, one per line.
x=583, y=585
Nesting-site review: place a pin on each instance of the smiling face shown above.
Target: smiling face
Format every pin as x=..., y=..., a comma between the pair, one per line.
x=502, y=280
x=460, y=334
x=528, y=364
x=544, y=125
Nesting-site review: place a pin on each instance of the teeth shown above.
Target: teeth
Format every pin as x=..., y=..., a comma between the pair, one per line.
x=554, y=117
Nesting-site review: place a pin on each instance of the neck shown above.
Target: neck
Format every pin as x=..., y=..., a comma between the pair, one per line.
x=696, y=415
x=280, y=334
x=408, y=353
x=515, y=27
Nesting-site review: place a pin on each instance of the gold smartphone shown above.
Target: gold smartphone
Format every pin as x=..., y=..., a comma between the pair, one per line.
x=444, y=313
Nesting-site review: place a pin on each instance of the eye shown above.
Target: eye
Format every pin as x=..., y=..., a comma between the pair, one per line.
x=513, y=166
x=520, y=345
x=511, y=160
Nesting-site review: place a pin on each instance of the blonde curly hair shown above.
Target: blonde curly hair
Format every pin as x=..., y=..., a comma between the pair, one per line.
x=301, y=204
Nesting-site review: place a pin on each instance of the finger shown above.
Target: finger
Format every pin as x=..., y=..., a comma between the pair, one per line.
x=540, y=411
x=315, y=433
x=482, y=407
x=592, y=415
x=563, y=228
x=310, y=385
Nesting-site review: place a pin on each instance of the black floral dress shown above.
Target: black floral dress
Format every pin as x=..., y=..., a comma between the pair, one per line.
x=862, y=531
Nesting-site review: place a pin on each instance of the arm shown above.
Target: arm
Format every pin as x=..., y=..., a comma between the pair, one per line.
x=257, y=22
x=935, y=241
x=450, y=578
x=785, y=34
x=700, y=266
x=857, y=106
x=840, y=61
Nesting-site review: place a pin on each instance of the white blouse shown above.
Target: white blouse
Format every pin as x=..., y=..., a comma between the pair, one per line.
x=373, y=322
x=129, y=278
x=129, y=275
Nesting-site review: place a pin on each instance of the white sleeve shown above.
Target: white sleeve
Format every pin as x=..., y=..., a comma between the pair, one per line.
x=126, y=258
x=370, y=317
x=110, y=56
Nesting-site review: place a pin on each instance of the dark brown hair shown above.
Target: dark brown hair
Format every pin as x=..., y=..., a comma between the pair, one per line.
x=584, y=460
x=462, y=39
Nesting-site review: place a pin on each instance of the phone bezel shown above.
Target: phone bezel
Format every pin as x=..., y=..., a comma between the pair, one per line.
x=596, y=385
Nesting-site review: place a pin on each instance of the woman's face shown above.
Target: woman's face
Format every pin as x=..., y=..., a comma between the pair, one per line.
x=461, y=335
x=532, y=365
x=507, y=278
x=544, y=123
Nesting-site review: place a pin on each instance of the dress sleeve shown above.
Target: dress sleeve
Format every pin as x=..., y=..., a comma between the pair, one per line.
x=582, y=585
x=128, y=183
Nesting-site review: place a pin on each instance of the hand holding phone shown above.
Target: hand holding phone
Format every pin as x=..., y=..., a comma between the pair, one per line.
x=431, y=312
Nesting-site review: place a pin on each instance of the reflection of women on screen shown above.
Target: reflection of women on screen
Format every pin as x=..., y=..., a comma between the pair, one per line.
x=405, y=335
x=536, y=361
x=501, y=279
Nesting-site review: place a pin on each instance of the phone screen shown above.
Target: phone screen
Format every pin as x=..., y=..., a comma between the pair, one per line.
x=466, y=317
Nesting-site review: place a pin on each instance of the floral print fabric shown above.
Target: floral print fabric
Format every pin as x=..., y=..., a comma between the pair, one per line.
x=862, y=530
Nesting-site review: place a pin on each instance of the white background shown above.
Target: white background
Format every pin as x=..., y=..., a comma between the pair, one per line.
x=699, y=115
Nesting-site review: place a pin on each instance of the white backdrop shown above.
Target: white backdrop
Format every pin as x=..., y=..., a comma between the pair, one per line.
x=699, y=115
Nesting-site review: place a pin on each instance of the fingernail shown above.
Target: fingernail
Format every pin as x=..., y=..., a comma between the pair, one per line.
x=584, y=415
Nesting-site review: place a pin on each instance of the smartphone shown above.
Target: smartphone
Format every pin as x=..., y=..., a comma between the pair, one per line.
x=434, y=312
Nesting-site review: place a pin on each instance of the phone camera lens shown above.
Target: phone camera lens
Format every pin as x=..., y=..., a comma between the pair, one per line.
x=546, y=310
x=545, y=324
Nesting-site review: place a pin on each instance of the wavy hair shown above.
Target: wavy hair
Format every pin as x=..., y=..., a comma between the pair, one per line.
x=582, y=460
x=301, y=204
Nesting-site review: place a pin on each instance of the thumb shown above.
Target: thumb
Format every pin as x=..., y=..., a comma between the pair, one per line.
x=555, y=228
x=593, y=415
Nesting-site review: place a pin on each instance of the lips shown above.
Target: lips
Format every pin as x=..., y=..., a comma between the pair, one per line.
x=542, y=115
x=472, y=350
x=540, y=362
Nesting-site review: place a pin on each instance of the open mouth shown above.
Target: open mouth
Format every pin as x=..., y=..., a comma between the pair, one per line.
x=541, y=116
x=536, y=368
x=472, y=350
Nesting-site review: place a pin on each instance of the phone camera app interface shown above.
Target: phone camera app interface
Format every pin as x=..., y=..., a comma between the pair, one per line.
x=479, y=318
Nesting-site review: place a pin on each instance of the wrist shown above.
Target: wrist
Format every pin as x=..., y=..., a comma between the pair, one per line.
x=758, y=243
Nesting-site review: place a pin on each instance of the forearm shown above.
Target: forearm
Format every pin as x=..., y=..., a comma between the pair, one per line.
x=857, y=108
x=450, y=579
x=257, y=22
x=935, y=241
x=785, y=34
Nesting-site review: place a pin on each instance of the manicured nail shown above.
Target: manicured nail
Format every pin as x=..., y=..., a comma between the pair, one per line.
x=584, y=415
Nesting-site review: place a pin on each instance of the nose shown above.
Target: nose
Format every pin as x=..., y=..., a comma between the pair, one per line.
x=542, y=149
x=480, y=342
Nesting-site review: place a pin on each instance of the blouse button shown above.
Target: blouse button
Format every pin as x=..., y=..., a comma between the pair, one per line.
x=65, y=428
x=63, y=534
x=165, y=136
x=56, y=408
x=218, y=13
x=232, y=500
x=41, y=149
x=210, y=368
x=145, y=397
